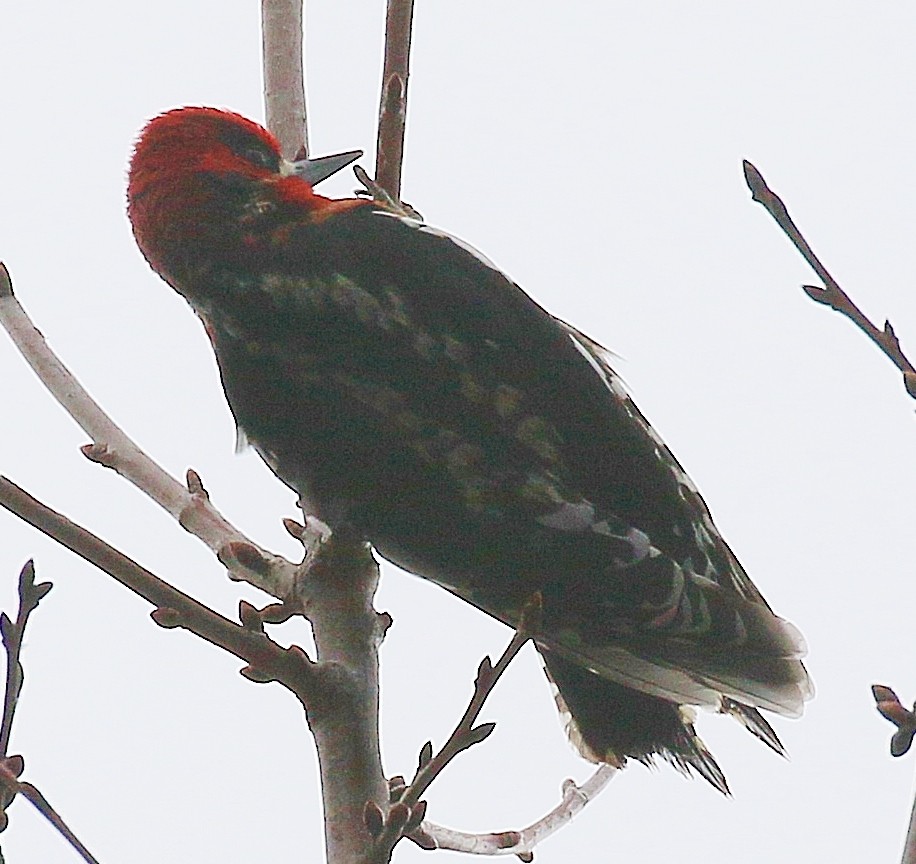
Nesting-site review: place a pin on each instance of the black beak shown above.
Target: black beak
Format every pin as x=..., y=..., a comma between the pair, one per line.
x=313, y=171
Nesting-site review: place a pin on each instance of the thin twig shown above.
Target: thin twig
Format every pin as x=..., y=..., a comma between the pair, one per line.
x=13, y=634
x=347, y=632
x=831, y=295
x=909, y=845
x=392, y=121
x=891, y=708
x=284, y=81
x=522, y=841
x=267, y=660
x=407, y=810
x=112, y=448
x=10, y=781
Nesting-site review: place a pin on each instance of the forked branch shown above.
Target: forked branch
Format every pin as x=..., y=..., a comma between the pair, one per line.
x=407, y=810
x=12, y=767
x=189, y=505
x=831, y=294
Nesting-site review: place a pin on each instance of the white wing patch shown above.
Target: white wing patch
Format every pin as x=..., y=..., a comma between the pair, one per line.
x=611, y=380
x=705, y=534
x=423, y=228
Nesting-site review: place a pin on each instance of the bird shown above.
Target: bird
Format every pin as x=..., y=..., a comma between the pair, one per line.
x=409, y=391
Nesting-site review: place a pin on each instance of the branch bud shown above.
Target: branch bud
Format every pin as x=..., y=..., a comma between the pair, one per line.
x=195, y=484
x=373, y=819
x=166, y=617
x=909, y=382
x=417, y=814
x=397, y=818
x=426, y=753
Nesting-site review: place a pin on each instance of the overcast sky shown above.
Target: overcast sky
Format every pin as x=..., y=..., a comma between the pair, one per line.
x=594, y=152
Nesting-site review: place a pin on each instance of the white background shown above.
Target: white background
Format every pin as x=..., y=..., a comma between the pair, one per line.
x=594, y=151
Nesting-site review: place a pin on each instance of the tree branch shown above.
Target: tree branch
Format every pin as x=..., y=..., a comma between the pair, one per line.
x=890, y=707
x=831, y=295
x=339, y=577
x=13, y=634
x=523, y=841
x=10, y=769
x=174, y=608
x=389, y=155
x=407, y=810
x=112, y=448
x=342, y=579
x=284, y=79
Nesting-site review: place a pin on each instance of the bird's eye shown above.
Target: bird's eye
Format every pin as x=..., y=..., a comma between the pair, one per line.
x=261, y=158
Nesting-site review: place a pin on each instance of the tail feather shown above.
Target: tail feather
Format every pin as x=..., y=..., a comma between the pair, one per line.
x=608, y=722
x=754, y=722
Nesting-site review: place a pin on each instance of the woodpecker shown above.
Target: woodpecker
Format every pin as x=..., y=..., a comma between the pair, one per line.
x=408, y=390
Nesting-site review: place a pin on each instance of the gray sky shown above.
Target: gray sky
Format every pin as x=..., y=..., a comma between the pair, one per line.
x=594, y=152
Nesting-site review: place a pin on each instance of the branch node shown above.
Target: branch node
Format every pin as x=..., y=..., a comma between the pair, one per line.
x=423, y=839
x=6, y=283
x=277, y=613
x=238, y=553
x=426, y=754
x=818, y=294
x=484, y=671
x=889, y=706
x=250, y=617
x=298, y=655
x=257, y=675
x=507, y=839
x=755, y=181
x=417, y=814
x=383, y=622
x=475, y=736
x=294, y=528
x=195, y=485
x=909, y=382
x=397, y=818
x=101, y=454
x=396, y=787
x=166, y=617
x=373, y=818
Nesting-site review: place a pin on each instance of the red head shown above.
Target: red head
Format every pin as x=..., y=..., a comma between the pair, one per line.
x=199, y=177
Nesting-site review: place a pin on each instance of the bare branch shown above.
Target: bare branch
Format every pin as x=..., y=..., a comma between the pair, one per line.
x=342, y=578
x=13, y=634
x=112, y=448
x=338, y=579
x=392, y=121
x=909, y=845
x=891, y=708
x=406, y=799
x=523, y=841
x=284, y=80
x=10, y=769
x=831, y=295
x=342, y=717
x=174, y=608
